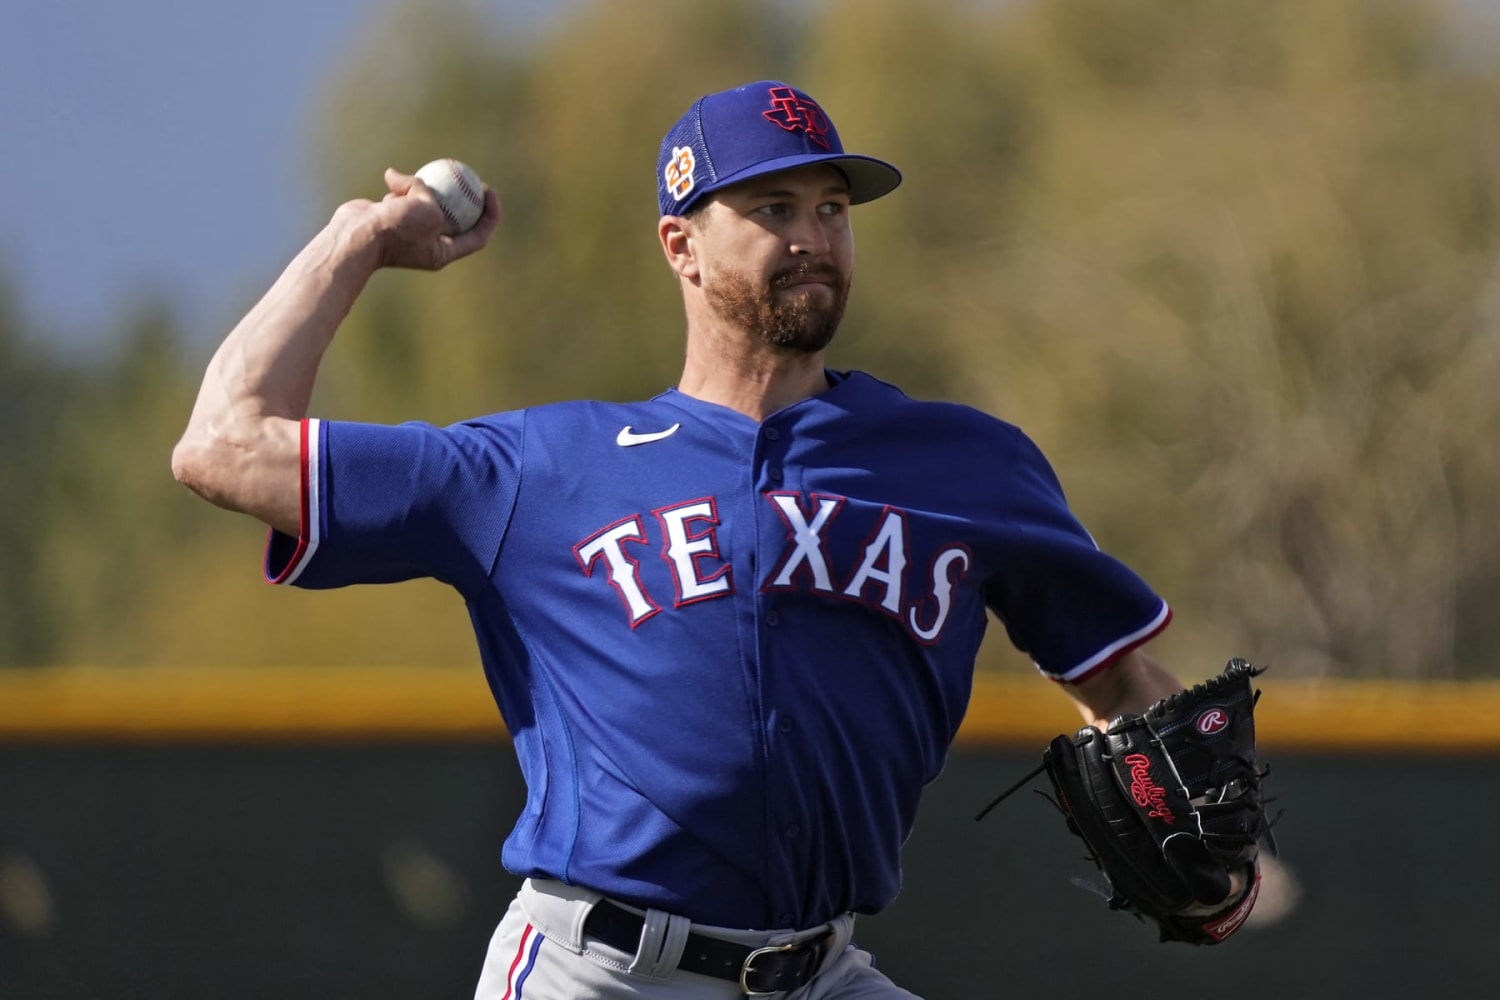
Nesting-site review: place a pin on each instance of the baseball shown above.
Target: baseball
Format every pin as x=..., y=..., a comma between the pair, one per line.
x=459, y=191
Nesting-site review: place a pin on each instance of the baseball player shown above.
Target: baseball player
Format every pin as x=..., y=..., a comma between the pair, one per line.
x=731, y=628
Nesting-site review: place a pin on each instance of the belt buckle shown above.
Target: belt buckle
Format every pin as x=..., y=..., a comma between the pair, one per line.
x=748, y=968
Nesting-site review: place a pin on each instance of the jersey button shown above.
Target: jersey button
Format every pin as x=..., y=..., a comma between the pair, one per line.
x=772, y=434
x=784, y=920
x=793, y=830
x=774, y=472
x=786, y=725
x=773, y=618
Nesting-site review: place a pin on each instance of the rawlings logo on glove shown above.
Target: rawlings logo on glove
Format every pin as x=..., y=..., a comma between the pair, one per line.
x=1170, y=806
x=1147, y=793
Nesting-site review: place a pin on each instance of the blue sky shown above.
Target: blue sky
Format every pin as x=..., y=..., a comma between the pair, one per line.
x=158, y=147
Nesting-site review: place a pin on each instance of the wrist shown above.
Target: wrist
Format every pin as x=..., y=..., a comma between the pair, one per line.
x=355, y=240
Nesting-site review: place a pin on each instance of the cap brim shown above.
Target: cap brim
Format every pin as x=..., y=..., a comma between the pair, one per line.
x=869, y=178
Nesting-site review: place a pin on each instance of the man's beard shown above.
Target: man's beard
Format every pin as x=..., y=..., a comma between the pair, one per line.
x=804, y=323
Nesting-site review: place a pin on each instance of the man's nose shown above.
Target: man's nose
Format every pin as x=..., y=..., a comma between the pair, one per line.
x=809, y=238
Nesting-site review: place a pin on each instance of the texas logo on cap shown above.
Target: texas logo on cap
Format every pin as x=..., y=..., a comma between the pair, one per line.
x=760, y=128
x=798, y=113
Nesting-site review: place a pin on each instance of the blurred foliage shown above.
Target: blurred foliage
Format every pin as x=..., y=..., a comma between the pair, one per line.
x=34, y=394
x=1232, y=264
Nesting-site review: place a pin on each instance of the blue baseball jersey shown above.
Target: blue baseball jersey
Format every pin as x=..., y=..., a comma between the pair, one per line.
x=731, y=654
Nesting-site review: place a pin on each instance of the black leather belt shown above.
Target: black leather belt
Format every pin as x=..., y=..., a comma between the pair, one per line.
x=757, y=970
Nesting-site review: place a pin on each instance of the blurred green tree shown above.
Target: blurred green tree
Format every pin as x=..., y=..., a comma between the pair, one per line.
x=1246, y=304
x=33, y=394
x=111, y=519
x=1231, y=264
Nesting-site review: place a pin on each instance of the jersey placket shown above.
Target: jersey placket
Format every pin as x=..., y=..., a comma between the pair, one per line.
x=786, y=822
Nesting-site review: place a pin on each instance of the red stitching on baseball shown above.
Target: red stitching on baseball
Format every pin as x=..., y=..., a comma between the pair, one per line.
x=469, y=192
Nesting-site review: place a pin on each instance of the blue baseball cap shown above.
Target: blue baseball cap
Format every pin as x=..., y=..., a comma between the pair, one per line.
x=757, y=129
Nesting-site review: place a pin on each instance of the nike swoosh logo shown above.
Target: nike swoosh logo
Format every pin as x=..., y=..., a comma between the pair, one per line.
x=628, y=438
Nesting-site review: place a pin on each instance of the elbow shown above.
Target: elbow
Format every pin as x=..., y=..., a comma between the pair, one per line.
x=188, y=465
x=258, y=475
x=196, y=465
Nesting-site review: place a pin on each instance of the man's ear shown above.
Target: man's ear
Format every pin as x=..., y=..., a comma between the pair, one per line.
x=679, y=245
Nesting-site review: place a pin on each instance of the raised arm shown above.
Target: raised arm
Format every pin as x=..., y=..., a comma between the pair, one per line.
x=242, y=449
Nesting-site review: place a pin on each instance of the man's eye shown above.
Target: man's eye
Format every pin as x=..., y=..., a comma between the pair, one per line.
x=832, y=208
x=776, y=209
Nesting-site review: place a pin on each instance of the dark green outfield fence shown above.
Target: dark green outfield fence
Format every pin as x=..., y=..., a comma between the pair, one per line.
x=318, y=871
x=287, y=834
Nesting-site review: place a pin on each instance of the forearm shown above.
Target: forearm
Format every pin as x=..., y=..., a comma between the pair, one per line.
x=240, y=449
x=268, y=364
x=1131, y=685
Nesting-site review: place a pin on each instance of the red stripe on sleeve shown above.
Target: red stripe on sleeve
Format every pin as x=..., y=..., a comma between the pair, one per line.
x=304, y=530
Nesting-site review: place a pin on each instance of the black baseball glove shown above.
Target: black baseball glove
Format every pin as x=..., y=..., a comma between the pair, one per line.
x=1170, y=806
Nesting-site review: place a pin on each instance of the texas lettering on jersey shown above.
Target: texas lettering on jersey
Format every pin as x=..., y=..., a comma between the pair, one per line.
x=687, y=537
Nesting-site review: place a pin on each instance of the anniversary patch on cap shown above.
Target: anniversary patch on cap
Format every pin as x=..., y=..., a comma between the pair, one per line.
x=679, y=175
